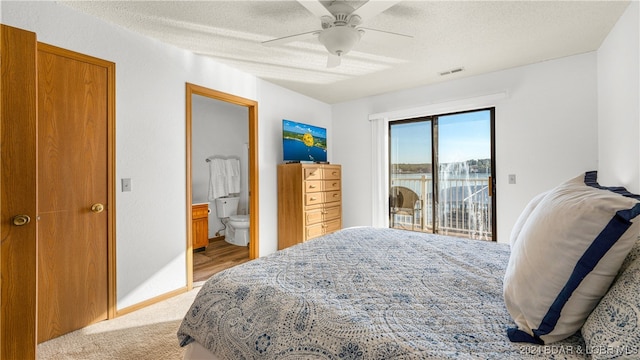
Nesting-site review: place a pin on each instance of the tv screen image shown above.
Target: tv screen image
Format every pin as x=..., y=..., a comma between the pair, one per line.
x=303, y=142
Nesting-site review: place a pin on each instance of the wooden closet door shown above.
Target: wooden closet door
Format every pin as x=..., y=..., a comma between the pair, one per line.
x=72, y=192
x=18, y=196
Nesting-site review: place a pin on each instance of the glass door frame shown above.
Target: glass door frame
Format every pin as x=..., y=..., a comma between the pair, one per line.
x=436, y=164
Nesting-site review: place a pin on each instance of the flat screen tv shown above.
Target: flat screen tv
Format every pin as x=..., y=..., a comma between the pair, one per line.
x=303, y=142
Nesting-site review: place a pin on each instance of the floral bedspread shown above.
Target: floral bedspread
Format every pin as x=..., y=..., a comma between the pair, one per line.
x=365, y=293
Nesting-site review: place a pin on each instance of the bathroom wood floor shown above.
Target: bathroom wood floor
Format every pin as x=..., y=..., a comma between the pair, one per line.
x=218, y=255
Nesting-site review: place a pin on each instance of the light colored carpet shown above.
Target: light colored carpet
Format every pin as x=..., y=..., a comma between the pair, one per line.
x=146, y=334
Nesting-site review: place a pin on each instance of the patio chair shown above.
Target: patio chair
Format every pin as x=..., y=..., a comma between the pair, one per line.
x=404, y=201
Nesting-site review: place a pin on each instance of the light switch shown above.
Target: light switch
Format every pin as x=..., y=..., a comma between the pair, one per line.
x=126, y=184
x=512, y=178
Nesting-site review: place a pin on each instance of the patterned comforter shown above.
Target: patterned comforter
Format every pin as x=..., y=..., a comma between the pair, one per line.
x=365, y=293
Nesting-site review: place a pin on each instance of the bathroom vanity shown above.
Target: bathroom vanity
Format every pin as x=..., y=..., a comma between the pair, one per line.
x=200, y=225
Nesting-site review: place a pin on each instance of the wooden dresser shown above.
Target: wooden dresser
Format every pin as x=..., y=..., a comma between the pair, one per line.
x=200, y=225
x=309, y=202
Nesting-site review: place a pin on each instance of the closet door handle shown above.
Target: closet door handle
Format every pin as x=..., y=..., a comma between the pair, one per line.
x=97, y=208
x=21, y=220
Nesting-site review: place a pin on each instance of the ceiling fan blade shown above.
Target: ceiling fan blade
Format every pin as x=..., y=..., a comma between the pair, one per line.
x=290, y=38
x=333, y=61
x=315, y=7
x=373, y=7
x=382, y=35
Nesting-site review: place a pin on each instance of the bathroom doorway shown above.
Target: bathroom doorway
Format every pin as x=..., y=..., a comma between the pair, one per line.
x=230, y=122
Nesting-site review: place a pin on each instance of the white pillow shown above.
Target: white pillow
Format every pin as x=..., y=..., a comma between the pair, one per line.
x=524, y=215
x=566, y=255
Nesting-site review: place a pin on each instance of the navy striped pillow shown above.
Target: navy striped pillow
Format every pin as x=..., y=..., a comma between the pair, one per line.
x=565, y=257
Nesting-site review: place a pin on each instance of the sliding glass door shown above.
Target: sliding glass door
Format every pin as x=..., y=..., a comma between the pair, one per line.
x=410, y=167
x=441, y=174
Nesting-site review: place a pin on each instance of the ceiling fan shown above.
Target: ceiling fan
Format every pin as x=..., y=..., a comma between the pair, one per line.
x=340, y=26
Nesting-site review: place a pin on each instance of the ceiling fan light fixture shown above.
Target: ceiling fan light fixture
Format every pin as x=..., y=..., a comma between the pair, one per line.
x=339, y=40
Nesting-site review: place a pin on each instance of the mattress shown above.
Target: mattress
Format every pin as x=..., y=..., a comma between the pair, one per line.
x=365, y=293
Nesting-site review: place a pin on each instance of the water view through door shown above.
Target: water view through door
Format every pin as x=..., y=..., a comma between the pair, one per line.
x=441, y=174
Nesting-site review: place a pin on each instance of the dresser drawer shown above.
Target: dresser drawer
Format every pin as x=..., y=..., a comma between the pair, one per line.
x=314, y=173
x=323, y=228
x=323, y=214
x=321, y=197
x=319, y=173
x=328, y=185
x=321, y=185
x=332, y=196
x=331, y=173
x=313, y=185
x=314, y=198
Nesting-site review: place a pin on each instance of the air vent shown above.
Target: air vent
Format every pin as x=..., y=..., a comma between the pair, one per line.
x=452, y=71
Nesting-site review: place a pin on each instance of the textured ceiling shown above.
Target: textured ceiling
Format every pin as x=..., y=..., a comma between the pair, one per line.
x=479, y=36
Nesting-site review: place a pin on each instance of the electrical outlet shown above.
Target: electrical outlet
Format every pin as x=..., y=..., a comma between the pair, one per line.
x=512, y=178
x=126, y=185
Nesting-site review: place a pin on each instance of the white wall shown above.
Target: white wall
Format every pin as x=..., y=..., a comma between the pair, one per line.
x=277, y=103
x=218, y=129
x=150, y=138
x=546, y=131
x=619, y=103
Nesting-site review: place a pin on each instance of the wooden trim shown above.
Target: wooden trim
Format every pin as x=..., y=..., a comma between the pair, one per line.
x=252, y=106
x=111, y=170
x=111, y=163
x=189, y=200
x=254, y=249
x=152, y=301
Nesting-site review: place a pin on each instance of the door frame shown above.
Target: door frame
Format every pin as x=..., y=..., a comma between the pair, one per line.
x=252, y=107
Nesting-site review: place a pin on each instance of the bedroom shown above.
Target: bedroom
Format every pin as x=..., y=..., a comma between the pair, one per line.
x=594, y=94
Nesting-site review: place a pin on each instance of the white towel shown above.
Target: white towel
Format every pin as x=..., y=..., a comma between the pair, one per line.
x=233, y=175
x=217, y=179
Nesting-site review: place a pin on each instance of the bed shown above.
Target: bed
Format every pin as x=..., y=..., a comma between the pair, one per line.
x=364, y=293
x=565, y=287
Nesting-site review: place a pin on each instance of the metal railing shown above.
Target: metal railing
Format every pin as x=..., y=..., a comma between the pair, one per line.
x=463, y=208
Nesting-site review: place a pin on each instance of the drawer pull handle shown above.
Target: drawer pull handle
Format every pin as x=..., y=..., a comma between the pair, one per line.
x=335, y=195
x=313, y=199
x=325, y=212
x=325, y=226
x=312, y=186
x=335, y=173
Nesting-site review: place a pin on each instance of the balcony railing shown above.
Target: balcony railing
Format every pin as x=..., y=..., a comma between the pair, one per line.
x=463, y=208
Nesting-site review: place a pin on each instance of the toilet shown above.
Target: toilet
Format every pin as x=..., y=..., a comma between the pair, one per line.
x=237, y=231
